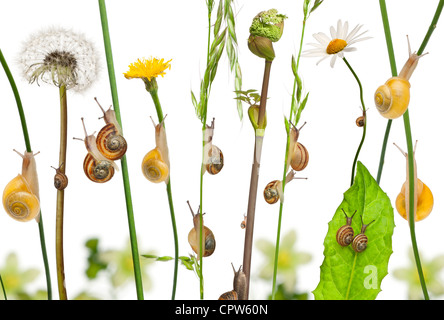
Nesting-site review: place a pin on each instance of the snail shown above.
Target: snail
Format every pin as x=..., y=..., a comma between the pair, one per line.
x=297, y=153
x=239, y=291
x=344, y=235
x=96, y=167
x=208, y=239
x=360, y=121
x=156, y=163
x=423, y=197
x=244, y=222
x=21, y=195
x=213, y=156
x=60, y=179
x=392, y=99
x=110, y=141
x=273, y=190
x=360, y=241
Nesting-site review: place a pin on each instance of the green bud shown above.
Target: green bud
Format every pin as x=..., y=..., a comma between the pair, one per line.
x=253, y=114
x=262, y=47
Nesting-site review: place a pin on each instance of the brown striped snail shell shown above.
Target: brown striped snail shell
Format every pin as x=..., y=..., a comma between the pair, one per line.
x=299, y=159
x=344, y=235
x=209, y=241
x=215, y=160
x=360, y=241
x=230, y=295
x=360, y=121
x=110, y=141
x=60, y=179
x=273, y=191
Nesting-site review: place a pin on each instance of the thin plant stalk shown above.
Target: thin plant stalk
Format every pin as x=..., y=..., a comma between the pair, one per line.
x=160, y=117
x=365, y=120
x=124, y=165
x=61, y=195
x=259, y=137
x=408, y=134
x=28, y=149
x=3, y=288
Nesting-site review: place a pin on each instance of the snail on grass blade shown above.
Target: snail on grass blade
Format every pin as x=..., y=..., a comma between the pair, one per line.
x=392, y=99
x=297, y=152
x=110, y=141
x=213, y=157
x=423, y=197
x=97, y=168
x=208, y=240
x=156, y=163
x=21, y=195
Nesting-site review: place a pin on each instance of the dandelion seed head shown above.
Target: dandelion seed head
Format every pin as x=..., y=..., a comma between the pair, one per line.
x=61, y=57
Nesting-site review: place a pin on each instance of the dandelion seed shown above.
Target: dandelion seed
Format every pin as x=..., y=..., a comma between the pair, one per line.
x=335, y=46
x=60, y=57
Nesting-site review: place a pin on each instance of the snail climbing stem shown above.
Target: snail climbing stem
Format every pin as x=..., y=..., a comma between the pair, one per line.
x=259, y=137
x=61, y=195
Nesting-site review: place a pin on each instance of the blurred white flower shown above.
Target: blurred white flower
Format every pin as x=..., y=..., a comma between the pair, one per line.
x=60, y=57
x=335, y=46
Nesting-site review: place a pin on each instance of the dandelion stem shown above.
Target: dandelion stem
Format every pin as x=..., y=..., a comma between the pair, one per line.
x=365, y=120
x=28, y=149
x=160, y=116
x=259, y=137
x=61, y=194
x=408, y=133
x=125, y=176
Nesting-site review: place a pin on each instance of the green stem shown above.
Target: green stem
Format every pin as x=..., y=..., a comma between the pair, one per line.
x=361, y=96
x=61, y=194
x=160, y=116
x=28, y=149
x=126, y=183
x=408, y=133
x=3, y=288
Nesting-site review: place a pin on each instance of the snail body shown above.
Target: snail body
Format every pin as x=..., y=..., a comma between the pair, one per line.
x=209, y=241
x=344, y=235
x=392, y=99
x=156, y=164
x=239, y=291
x=244, y=222
x=60, y=179
x=110, y=141
x=96, y=166
x=21, y=195
x=423, y=197
x=213, y=157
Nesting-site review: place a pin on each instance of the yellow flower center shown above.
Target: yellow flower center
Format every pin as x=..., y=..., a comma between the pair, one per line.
x=336, y=45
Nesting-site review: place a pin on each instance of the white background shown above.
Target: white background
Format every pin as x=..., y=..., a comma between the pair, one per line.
x=177, y=30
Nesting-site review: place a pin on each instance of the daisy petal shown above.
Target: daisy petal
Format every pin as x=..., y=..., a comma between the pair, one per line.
x=333, y=60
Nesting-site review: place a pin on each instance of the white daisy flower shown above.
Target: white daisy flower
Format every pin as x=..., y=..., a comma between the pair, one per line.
x=335, y=46
x=60, y=57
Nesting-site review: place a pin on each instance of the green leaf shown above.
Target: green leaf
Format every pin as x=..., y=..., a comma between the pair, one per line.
x=316, y=5
x=345, y=274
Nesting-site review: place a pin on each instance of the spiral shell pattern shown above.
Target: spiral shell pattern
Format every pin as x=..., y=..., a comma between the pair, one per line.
x=271, y=193
x=97, y=171
x=230, y=295
x=60, y=181
x=359, y=243
x=209, y=239
x=392, y=99
x=154, y=168
x=344, y=235
x=215, y=160
x=299, y=159
x=111, y=143
x=18, y=200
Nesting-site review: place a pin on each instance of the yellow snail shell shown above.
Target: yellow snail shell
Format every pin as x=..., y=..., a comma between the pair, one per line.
x=392, y=98
x=299, y=159
x=153, y=166
x=99, y=171
x=19, y=201
x=424, y=203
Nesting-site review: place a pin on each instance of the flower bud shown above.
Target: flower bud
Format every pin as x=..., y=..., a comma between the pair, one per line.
x=262, y=47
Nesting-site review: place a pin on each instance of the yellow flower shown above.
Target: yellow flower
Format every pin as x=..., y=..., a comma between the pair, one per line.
x=147, y=68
